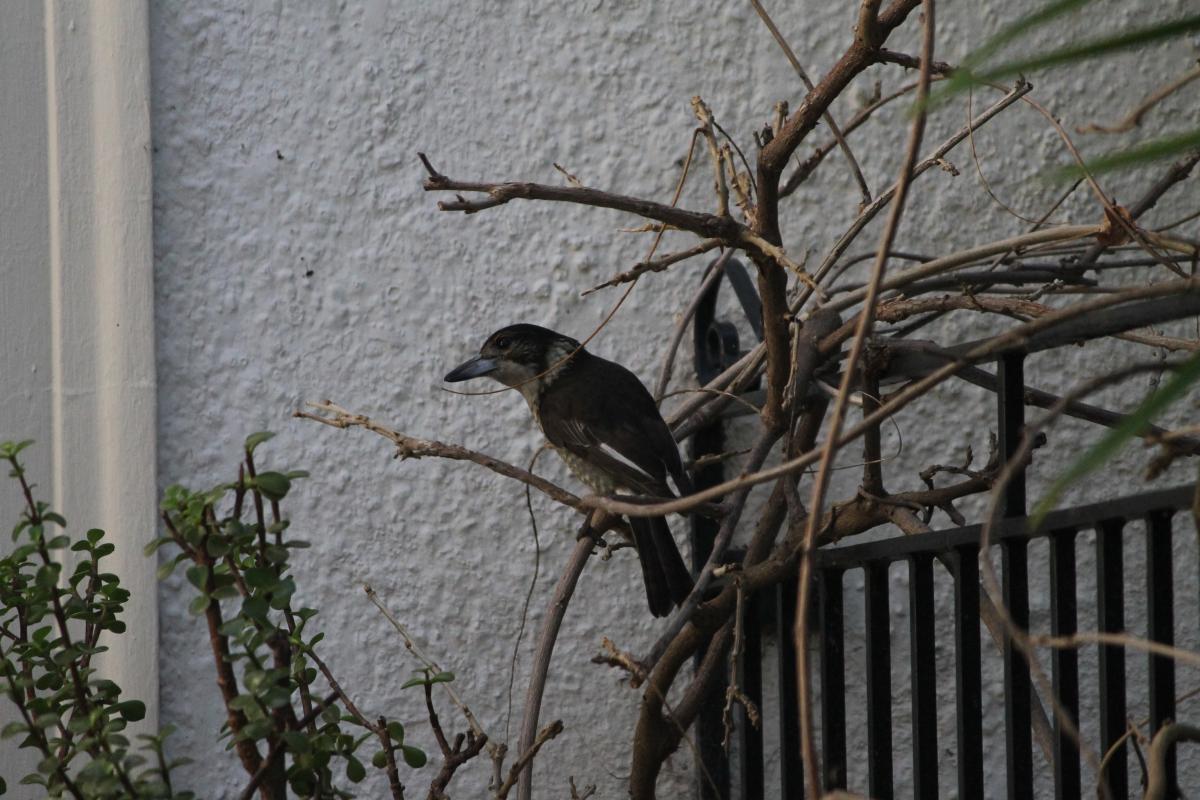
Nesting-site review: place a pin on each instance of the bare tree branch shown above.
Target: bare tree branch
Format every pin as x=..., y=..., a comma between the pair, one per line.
x=868, y=31
x=709, y=226
x=1177, y=172
x=412, y=447
x=545, y=649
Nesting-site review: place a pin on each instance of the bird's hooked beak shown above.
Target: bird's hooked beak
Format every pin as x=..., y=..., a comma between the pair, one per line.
x=474, y=368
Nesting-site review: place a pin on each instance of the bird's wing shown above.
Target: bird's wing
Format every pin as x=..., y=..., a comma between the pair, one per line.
x=614, y=425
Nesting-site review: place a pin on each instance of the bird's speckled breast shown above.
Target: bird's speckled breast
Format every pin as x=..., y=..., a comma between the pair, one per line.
x=595, y=479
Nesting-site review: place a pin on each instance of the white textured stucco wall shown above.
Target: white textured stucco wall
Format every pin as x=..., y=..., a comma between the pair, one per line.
x=297, y=258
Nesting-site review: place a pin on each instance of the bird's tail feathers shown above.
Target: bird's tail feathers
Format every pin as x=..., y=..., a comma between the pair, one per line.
x=683, y=482
x=667, y=578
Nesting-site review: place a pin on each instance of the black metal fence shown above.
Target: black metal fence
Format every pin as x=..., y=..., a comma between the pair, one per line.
x=770, y=616
x=958, y=551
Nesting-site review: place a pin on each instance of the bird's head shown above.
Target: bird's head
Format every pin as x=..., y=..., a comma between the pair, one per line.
x=516, y=356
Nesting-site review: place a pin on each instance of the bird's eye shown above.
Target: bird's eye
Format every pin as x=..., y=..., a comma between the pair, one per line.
x=503, y=342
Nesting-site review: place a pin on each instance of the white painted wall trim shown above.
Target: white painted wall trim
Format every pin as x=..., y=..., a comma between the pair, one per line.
x=84, y=281
x=102, y=301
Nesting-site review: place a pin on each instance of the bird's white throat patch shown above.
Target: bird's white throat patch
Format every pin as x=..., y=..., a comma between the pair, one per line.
x=530, y=381
x=531, y=390
x=556, y=358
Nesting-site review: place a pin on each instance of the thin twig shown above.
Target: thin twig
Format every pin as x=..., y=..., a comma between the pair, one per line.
x=571, y=178
x=871, y=31
x=987, y=186
x=820, y=482
x=1134, y=118
x=656, y=265
x=533, y=579
x=777, y=254
x=337, y=688
x=704, y=114
x=425, y=660
x=520, y=767
x=733, y=694
x=885, y=56
x=587, y=792
x=732, y=397
x=1083, y=638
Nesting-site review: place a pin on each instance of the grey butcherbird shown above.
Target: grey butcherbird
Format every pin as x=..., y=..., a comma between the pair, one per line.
x=604, y=424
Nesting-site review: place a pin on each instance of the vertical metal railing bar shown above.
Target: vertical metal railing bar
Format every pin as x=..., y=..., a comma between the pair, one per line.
x=791, y=767
x=1017, y=697
x=1064, y=662
x=833, y=680
x=968, y=673
x=924, y=676
x=1110, y=618
x=877, y=630
x=1160, y=614
x=714, y=779
x=1010, y=371
x=751, y=683
x=715, y=347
